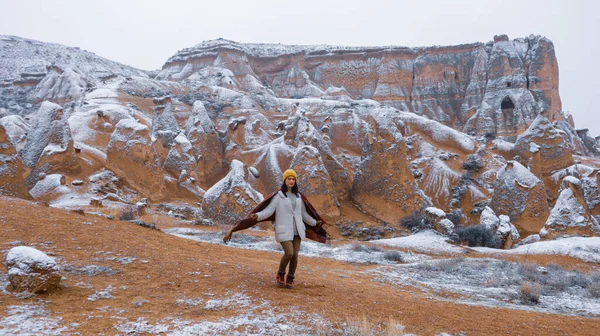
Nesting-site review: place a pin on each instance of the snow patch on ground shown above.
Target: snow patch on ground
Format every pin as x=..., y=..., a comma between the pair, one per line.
x=584, y=248
x=496, y=283
x=257, y=318
x=426, y=241
x=354, y=253
x=30, y=319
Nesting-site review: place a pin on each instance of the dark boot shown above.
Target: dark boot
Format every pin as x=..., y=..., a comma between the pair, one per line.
x=289, y=281
x=280, y=276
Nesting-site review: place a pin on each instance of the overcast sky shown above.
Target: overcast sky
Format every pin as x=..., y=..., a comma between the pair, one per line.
x=144, y=33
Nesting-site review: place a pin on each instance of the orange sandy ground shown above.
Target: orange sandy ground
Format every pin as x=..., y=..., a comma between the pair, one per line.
x=338, y=291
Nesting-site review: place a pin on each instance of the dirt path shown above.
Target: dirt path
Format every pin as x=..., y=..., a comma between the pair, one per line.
x=168, y=268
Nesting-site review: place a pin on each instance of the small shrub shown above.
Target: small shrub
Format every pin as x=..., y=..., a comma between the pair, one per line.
x=530, y=272
x=127, y=214
x=594, y=290
x=473, y=163
x=593, y=285
x=357, y=247
x=394, y=256
x=415, y=222
x=530, y=293
x=477, y=235
x=454, y=216
x=144, y=224
x=450, y=265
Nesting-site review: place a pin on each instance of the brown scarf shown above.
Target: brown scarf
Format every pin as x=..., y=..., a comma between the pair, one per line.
x=316, y=233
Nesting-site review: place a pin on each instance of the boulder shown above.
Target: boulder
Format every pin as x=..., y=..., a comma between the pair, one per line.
x=31, y=270
x=446, y=226
x=500, y=226
x=507, y=232
x=433, y=216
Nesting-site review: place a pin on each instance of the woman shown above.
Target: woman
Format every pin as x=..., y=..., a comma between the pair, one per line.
x=294, y=219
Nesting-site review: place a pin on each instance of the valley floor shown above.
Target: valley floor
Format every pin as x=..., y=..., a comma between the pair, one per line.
x=121, y=278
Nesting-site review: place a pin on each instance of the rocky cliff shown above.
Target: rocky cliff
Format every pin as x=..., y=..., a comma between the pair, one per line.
x=496, y=88
x=377, y=135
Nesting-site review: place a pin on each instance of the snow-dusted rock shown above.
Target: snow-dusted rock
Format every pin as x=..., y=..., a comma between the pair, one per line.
x=232, y=198
x=437, y=132
x=447, y=84
x=383, y=184
x=61, y=85
x=49, y=187
x=543, y=147
x=314, y=180
x=507, y=232
x=31, y=270
x=489, y=219
x=12, y=170
x=164, y=124
x=522, y=196
x=570, y=214
x=208, y=149
x=16, y=128
x=300, y=132
x=433, y=216
x=131, y=156
x=446, y=226
x=49, y=147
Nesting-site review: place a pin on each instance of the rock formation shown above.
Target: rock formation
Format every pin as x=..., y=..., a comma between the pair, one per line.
x=570, y=214
x=12, y=170
x=452, y=85
x=131, y=155
x=522, y=196
x=208, y=149
x=543, y=148
x=377, y=133
x=383, y=164
x=232, y=198
x=315, y=180
x=49, y=147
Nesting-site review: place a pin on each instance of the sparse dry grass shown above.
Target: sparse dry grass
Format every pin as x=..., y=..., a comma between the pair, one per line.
x=529, y=293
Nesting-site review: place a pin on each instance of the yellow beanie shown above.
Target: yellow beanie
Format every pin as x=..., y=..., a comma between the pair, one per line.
x=288, y=173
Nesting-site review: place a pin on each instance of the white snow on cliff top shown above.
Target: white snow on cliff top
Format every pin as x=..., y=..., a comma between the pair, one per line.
x=278, y=49
x=19, y=55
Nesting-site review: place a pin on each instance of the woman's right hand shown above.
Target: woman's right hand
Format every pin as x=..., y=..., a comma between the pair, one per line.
x=254, y=216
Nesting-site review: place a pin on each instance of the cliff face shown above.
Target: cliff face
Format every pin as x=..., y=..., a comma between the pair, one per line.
x=376, y=135
x=496, y=88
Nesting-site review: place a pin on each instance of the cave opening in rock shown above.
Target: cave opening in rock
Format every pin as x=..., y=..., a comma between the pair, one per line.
x=508, y=84
x=507, y=103
x=508, y=108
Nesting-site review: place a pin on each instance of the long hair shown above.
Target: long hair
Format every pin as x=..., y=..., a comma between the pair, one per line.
x=284, y=188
